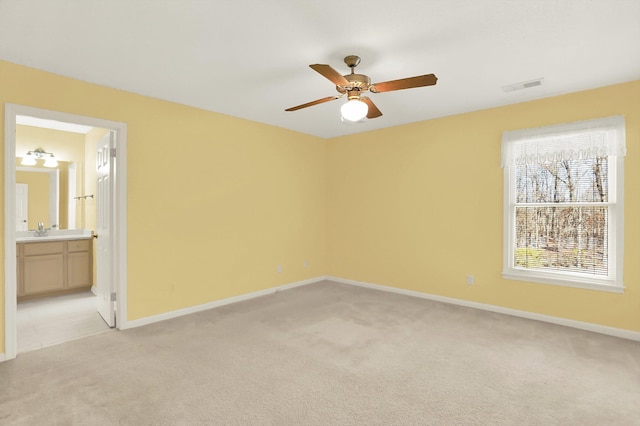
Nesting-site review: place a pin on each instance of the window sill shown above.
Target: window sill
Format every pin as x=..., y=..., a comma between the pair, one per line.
x=575, y=282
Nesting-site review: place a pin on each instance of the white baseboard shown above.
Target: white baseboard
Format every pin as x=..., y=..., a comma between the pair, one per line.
x=611, y=331
x=3, y=357
x=205, y=306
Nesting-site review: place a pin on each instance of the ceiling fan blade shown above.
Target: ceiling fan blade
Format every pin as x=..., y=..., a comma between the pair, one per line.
x=404, y=83
x=330, y=74
x=373, y=112
x=312, y=103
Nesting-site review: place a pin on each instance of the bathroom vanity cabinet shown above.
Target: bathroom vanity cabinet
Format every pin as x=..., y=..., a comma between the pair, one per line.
x=53, y=267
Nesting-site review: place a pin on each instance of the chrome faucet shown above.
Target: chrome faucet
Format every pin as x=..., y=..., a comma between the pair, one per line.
x=41, y=232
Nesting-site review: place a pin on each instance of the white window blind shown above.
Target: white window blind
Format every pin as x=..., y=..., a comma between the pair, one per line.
x=562, y=219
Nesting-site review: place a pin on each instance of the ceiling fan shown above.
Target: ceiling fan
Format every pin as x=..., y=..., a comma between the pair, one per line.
x=354, y=85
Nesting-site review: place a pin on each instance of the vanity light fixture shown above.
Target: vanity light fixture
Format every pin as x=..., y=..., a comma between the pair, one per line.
x=39, y=154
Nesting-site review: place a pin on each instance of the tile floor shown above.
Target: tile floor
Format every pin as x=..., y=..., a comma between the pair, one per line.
x=46, y=322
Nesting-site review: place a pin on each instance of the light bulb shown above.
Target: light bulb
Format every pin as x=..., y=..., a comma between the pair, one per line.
x=28, y=160
x=50, y=161
x=354, y=110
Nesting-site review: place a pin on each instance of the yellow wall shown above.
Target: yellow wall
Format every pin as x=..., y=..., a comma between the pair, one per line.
x=214, y=202
x=420, y=207
x=38, y=197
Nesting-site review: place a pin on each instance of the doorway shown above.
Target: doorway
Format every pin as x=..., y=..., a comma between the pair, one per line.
x=116, y=263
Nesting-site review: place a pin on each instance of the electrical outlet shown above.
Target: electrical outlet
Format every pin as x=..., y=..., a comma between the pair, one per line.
x=305, y=264
x=279, y=267
x=470, y=280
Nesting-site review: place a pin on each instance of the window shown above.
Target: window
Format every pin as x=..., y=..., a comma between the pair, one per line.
x=563, y=204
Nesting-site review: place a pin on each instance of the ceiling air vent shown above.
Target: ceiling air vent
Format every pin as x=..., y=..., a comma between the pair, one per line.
x=523, y=85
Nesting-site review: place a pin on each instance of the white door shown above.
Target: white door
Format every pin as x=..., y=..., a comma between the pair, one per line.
x=104, y=204
x=22, y=207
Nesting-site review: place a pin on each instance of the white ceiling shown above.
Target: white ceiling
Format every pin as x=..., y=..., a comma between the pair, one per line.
x=52, y=124
x=249, y=58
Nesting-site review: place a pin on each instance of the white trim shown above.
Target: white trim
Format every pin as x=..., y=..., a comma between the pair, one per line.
x=72, y=191
x=596, y=328
x=217, y=303
x=121, y=231
x=576, y=282
x=10, y=291
x=120, y=252
x=54, y=205
x=2, y=357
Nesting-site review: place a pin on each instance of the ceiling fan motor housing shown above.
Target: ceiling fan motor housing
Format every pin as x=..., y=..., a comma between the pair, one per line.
x=358, y=82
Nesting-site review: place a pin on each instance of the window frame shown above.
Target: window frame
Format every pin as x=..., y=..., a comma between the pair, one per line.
x=614, y=280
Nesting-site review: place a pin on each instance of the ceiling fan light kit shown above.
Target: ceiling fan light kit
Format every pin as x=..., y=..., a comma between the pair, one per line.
x=353, y=85
x=354, y=110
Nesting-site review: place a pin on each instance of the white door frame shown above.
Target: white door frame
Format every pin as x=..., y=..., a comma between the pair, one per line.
x=119, y=247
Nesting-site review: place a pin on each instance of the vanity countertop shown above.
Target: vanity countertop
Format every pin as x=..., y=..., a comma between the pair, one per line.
x=53, y=235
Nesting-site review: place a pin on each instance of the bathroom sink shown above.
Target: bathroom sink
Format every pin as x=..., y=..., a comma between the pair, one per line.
x=53, y=235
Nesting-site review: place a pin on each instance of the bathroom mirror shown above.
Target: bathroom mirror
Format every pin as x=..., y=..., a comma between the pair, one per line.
x=47, y=194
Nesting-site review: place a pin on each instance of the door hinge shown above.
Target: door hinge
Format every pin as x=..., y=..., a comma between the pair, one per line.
x=113, y=153
x=113, y=297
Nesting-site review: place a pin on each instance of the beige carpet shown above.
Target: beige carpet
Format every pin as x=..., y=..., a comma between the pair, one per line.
x=329, y=354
